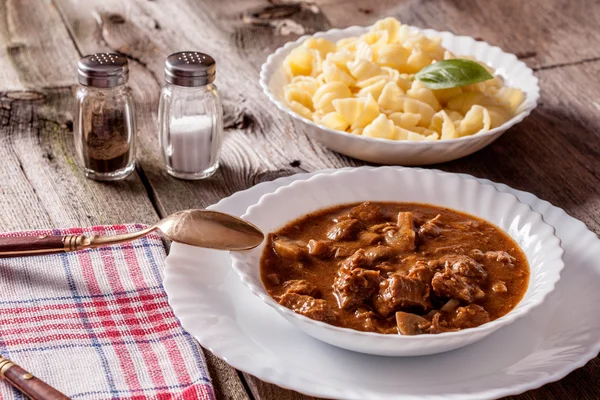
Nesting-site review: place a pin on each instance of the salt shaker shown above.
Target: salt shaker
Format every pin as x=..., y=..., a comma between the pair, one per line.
x=104, y=126
x=190, y=116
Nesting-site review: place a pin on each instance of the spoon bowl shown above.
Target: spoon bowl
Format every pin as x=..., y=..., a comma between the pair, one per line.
x=210, y=229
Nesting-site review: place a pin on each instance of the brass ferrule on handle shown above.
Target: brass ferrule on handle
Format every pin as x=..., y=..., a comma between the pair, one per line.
x=5, y=364
x=30, y=385
x=76, y=242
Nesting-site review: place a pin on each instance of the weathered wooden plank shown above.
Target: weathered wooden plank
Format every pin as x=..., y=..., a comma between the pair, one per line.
x=42, y=185
x=542, y=33
x=8, y=74
x=33, y=58
x=267, y=391
x=226, y=380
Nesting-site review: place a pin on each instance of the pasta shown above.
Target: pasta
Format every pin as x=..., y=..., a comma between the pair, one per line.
x=365, y=86
x=391, y=99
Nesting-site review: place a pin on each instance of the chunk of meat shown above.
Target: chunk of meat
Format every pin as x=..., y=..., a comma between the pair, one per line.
x=300, y=286
x=411, y=324
x=366, y=319
x=386, y=268
x=465, y=265
x=500, y=256
x=294, y=250
x=366, y=212
x=357, y=260
x=460, y=278
x=466, y=226
x=343, y=250
x=346, y=229
x=352, y=286
x=403, y=238
x=368, y=258
x=371, y=322
x=320, y=248
x=369, y=238
x=306, y=305
x=422, y=271
x=477, y=255
x=379, y=253
x=440, y=325
x=431, y=228
x=469, y=317
x=382, y=228
x=399, y=292
x=493, y=256
x=455, y=248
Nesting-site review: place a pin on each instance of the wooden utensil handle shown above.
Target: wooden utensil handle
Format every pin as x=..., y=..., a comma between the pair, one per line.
x=33, y=387
x=31, y=245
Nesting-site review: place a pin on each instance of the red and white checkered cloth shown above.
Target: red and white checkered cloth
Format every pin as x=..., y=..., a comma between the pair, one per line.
x=96, y=324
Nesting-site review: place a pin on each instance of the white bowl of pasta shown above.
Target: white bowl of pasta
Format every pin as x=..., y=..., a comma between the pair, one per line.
x=362, y=99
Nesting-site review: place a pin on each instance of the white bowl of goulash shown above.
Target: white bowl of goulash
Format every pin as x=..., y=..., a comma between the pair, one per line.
x=399, y=262
x=396, y=94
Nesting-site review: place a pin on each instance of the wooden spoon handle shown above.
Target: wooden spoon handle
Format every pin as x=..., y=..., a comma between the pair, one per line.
x=31, y=245
x=33, y=387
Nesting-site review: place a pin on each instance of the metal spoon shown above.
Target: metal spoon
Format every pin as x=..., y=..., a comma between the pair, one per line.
x=202, y=228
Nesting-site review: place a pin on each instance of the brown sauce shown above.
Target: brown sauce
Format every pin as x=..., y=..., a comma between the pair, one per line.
x=395, y=268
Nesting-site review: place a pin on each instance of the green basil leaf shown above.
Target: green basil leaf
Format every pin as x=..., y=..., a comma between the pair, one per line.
x=452, y=73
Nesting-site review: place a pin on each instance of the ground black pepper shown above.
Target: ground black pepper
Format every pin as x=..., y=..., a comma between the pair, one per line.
x=106, y=146
x=104, y=123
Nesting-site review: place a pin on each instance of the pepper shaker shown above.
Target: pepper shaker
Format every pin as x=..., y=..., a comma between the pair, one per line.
x=190, y=116
x=104, y=126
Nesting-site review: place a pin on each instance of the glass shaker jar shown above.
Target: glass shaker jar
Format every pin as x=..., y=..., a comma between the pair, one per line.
x=104, y=123
x=190, y=116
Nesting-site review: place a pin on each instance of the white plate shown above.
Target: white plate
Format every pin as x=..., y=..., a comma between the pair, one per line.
x=553, y=340
x=535, y=237
x=402, y=152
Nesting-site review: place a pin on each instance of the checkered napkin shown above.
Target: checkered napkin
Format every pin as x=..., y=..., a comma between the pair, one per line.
x=96, y=324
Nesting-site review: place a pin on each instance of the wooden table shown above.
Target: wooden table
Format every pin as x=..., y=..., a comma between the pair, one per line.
x=554, y=153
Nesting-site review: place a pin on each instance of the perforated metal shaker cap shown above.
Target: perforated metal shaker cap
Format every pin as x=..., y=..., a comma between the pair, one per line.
x=103, y=70
x=190, y=68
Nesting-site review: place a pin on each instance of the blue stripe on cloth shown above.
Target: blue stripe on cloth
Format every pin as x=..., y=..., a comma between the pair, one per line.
x=152, y=389
x=85, y=296
x=194, y=346
x=153, y=264
x=84, y=319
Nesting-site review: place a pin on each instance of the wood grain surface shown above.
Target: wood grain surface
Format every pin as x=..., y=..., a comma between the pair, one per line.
x=554, y=153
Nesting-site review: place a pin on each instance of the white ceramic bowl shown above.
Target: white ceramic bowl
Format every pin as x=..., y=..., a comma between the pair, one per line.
x=383, y=151
x=524, y=225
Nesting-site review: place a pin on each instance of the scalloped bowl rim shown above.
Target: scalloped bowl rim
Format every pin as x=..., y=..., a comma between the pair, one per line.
x=548, y=237
x=268, y=68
